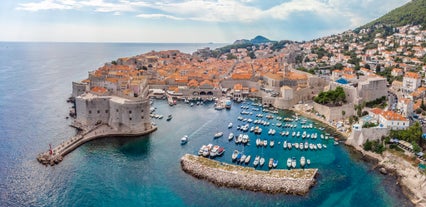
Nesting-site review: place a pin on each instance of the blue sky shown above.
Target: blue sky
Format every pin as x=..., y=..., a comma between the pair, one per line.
x=183, y=20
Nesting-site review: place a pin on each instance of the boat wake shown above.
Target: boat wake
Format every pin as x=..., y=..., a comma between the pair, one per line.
x=199, y=129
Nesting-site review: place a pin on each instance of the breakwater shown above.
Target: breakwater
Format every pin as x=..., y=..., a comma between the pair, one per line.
x=55, y=155
x=296, y=181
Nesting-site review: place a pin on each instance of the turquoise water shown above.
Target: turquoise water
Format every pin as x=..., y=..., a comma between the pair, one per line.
x=35, y=80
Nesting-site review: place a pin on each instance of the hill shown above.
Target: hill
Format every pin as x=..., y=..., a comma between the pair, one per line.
x=257, y=40
x=413, y=12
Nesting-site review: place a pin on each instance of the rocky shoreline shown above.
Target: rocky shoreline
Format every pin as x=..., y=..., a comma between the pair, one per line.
x=412, y=182
x=274, y=181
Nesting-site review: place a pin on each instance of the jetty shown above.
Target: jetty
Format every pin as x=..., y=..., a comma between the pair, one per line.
x=55, y=155
x=295, y=181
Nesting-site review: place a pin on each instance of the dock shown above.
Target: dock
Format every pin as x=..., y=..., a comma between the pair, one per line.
x=55, y=155
x=295, y=181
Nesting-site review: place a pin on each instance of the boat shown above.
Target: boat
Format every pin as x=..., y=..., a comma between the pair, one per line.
x=230, y=136
x=275, y=163
x=262, y=161
x=228, y=104
x=239, y=155
x=245, y=139
x=285, y=145
x=308, y=161
x=293, y=162
x=235, y=154
x=218, y=134
x=265, y=143
x=184, y=140
x=306, y=146
x=258, y=142
x=319, y=146
x=324, y=146
x=302, y=161
x=206, y=151
x=271, y=162
x=293, y=134
x=256, y=161
x=169, y=117
x=213, y=151
x=200, y=152
x=243, y=158
x=247, y=160
x=296, y=145
x=272, y=143
x=230, y=125
x=289, y=162
x=289, y=145
x=220, y=151
x=238, y=139
x=336, y=143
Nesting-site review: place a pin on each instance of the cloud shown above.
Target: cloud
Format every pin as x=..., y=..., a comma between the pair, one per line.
x=47, y=5
x=356, y=12
x=157, y=16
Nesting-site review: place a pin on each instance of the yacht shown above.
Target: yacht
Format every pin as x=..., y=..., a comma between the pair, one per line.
x=271, y=162
x=272, y=143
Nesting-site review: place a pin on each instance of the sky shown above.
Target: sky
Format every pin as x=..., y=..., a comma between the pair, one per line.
x=183, y=21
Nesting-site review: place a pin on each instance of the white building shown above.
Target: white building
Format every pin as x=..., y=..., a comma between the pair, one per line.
x=411, y=81
x=392, y=120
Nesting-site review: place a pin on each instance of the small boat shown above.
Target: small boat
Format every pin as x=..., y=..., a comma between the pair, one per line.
x=247, y=160
x=230, y=125
x=238, y=139
x=256, y=161
x=184, y=140
x=308, y=161
x=285, y=145
x=336, y=143
x=235, y=154
x=258, y=142
x=296, y=145
x=220, y=151
x=301, y=146
x=289, y=162
x=200, y=152
x=272, y=143
x=302, y=161
x=265, y=143
x=239, y=155
x=271, y=162
x=293, y=162
x=289, y=145
x=324, y=146
x=230, y=136
x=262, y=161
x=275, y=163
x=245, y=139
x=217, y=135
x=293, y=134
x=243, y=158
x=306, y=146
x=319, y=146
x=213, y=151
x=169, y=117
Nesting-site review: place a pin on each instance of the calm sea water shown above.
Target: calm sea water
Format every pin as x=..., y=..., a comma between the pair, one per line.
x=35, y=81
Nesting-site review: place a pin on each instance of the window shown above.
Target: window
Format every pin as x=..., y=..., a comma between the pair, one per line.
x=116, y=110
x=130, y=118
x=142, y=110
x=130, y=112
x=142, y=117
x=90, y=112
x=106, y=111
x=99, y=111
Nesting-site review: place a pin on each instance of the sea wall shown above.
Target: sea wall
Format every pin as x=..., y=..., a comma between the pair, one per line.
x=295, y=181
x=335, y=113
x=359, y=136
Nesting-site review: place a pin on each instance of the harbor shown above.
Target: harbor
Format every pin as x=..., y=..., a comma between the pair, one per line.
x=275, y=181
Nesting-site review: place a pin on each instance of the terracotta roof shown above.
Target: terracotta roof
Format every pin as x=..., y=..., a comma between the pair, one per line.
x=98, y=89
x=376, y=111
x=390, y=115
x=412, y=75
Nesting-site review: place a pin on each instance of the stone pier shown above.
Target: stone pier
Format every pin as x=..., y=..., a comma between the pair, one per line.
x=296, y=181
x=103, y=130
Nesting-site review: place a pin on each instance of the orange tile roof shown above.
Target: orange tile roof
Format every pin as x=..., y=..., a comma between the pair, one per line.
x=376, y=111
x=412, y=75
x=390, y=115
x=238, y=86
x=193, y=83
x=98, y=89
x=241, y=76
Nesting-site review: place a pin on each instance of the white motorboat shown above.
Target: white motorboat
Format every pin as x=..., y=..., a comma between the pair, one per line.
x=272, y=143
x=230, y=136
x=218, y=134
x=256, y=161
x=247, y=160
x=289, y=162
x=293, y=162
x=184, y=140
x=262, y=161
x=230, y=125
x=285, y=145
x=302, y=161
x=275, y=163
x=308, y=161
x=235, y=154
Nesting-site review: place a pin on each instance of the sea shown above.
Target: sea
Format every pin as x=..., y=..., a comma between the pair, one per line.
x=35, y=82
